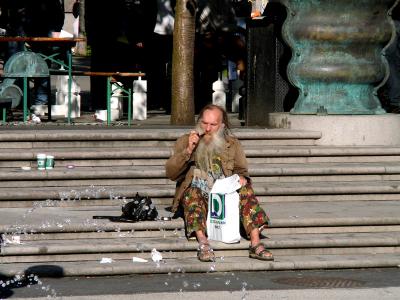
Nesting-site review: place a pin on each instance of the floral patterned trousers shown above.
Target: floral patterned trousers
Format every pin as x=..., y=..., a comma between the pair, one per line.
x=195, y=207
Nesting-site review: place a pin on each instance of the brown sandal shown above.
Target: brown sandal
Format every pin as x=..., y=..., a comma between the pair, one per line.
x=259, y=252
x=205, y=253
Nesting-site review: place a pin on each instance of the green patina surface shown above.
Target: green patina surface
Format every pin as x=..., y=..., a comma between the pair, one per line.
x=26, y=64
x=338, y=62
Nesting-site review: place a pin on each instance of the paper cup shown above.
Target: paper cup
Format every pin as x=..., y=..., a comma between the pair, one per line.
x=41, y=161
x=49, y=162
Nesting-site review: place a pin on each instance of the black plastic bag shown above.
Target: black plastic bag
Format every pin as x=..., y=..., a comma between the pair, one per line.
x=139, y=209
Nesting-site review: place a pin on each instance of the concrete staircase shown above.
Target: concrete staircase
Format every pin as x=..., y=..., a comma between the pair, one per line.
x=330, y=207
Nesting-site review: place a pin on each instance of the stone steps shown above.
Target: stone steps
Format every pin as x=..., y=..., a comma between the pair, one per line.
x=286, y=218
x=287, y=244
x=120, y=175
x=165, y=192
x=191, y=264
x=130, y=137
x=315, y=217
x=191, y=253
x=320, y=235
x=165, y=230
x=283, y=215
x=330, y=207
x=257, y=153
x=144, y=133
x=74, y=199
x=64, y=162
x=256, y=170
x=116, y=253
x=118, y=181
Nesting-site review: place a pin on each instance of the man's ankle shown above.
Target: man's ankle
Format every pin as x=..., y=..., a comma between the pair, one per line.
x=201, y=237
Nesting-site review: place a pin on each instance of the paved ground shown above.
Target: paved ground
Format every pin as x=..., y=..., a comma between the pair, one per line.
x=332, y=284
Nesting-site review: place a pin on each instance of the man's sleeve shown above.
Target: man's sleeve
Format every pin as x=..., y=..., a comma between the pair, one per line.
x=179, y=162
x=241, y=165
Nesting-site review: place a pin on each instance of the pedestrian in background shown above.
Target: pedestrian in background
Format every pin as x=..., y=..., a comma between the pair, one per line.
x=39, y=18
x=75, y=13
x=219, y=38
x=160, y=63
x=118, y=33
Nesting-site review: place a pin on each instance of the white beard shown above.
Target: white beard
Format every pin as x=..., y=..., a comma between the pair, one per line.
x=209, y=146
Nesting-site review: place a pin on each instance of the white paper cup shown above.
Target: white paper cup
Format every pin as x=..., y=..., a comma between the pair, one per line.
x=41, y=161
x=49, y=162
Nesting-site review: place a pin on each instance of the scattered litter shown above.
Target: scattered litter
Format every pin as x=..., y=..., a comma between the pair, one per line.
x=70, y=166
x=15, y=240
x=294, y=216
x=35, y=119
x=155, y=255
x=26, y=168
x=138, y=259
x=106, y=260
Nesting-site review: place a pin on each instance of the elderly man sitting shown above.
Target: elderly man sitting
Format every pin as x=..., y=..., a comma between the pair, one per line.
x=208, y=153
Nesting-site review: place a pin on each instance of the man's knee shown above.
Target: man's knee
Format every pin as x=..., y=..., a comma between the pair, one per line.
x=193, y=196
x=246, y=189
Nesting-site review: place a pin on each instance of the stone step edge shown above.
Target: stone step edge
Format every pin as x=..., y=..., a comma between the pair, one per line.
x=191, y=265
x=177, y=224
x=181, y=244
x=54, y=258
x=272, y=189
x=130, y=172
x=179, y=232
x=164, y=152
x=263, y=199
x=146, y=134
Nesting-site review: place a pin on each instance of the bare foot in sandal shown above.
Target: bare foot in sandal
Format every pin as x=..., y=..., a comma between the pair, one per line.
x=205, y=253
x=259, y=252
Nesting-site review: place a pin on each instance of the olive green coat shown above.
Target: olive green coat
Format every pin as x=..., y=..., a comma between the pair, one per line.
x=179, y=167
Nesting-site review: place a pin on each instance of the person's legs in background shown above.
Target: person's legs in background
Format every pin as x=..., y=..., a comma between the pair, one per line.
x=41, y=89
x=40, y=93
x=13, y=48
x=206, y=68
x=159, y=72
x=100, y=58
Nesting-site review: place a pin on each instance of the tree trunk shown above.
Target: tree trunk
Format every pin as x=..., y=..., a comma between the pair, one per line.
x=81, y=47
x=182, y=106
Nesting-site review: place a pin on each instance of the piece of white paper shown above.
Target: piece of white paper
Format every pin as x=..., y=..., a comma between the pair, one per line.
x=155, y=255
x=65, y=34
x=138, y=259
x=226, y=185
x=106, y=260
x=15, y=240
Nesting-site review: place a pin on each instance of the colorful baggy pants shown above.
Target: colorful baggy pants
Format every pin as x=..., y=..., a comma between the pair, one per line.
x=195, y=207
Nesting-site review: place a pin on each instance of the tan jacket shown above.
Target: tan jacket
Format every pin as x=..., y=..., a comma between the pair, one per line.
x=179, y=167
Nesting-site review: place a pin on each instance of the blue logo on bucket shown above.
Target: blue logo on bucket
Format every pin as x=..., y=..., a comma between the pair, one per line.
x=217, y=206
